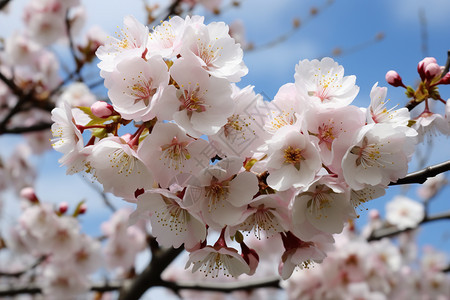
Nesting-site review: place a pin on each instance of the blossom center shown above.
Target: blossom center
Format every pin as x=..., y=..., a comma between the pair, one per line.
x=293, y=156
x=176, y=153
x=142, y=90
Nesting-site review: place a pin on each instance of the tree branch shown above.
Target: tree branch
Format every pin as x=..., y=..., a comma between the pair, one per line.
x=33, y=128
x=422, y=175
x=32, y=290
x=20, y=273
x=3, y=3
x=393, y=231
x=224, y=287
x=151, y=276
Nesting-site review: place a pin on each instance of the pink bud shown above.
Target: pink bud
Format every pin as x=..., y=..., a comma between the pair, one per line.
x=423, y=64
x=82, y=209
x=28, y=193
x=432, y=70
x=63, y=207
x=394, y=79
x=445, y=79
x=102, y=109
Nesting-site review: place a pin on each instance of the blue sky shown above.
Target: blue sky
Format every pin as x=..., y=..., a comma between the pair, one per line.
x=343, y=24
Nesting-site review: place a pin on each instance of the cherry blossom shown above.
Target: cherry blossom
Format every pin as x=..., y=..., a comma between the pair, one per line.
x=323, y=83
x=404, y=212
x=136, y=85
x=379, y=155
x=293, y=160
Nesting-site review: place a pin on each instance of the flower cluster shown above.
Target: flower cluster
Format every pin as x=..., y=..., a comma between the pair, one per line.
x=207, y=156
x=431, y=76
x=357, y=269
x=64, y=257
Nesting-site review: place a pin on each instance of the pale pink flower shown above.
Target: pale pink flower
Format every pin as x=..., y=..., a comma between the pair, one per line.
x=67, y=138
x=118, y=168
x=433, y=260
x=266, y=215
x=300, y=254
x=166, y=39
x=293, y=160
x=378, y=113
x=135, y=87
x=323, y=83
x=222, y=192
x=61, y=281
x=218, y=259
x=65, y=238
x=214, y=50
x=168, y=151
x=201, y=104
x=379, y=155
x=131, y=42
x=77, y=94
x=429, y=124
x=432, y=186
x=285, y=109
x=243, y=133
x=172, y=223
x=404, y=212
x=20, y=49
x=324, y=204
x=327, y=126
x=87, y=255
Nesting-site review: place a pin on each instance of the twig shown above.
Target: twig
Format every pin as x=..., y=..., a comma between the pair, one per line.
x=423, y=31
x=284, y=37
x=150, y=276
x=32, y=290
x=20, y=273
x=393, y=231
x=33, y=128
x=422, y=175
x=79, y=64
x=102, y=194
x=3, y=3
x=224, y=287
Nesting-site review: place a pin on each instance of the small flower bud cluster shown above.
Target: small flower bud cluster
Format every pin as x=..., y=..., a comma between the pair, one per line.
x=295, y=168
x=432, y=75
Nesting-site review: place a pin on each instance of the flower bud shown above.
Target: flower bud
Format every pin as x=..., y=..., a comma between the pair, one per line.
x=394, y=79
x=423, y=64
x=432, y=70
x=82, y=209
x=28, y=193
x=445, y=79
x=63, y=207
x=102, y=109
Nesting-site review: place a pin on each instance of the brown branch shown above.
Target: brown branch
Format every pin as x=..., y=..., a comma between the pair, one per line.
x=313, y=13
x=33, y=128
x=20, y=273
x=4, y=3
x=102, y=194
x=32, y=290
x=224, y=287
x=151, y=276
x=393, y=231
x=422, y=175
